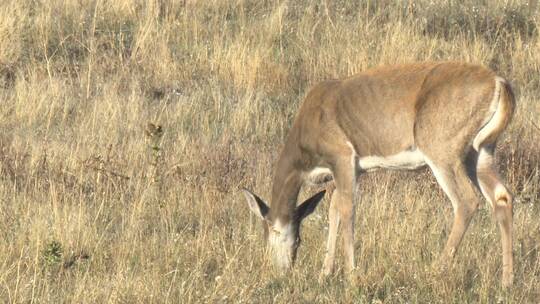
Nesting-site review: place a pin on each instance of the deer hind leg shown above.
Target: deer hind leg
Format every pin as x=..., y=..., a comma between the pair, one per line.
x=500, y=200
x=457, y=185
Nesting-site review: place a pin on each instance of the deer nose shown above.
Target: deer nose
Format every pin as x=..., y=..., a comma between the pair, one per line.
x=283, y=262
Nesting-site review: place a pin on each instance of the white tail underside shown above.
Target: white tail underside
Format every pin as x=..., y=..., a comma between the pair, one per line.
x=495, y=118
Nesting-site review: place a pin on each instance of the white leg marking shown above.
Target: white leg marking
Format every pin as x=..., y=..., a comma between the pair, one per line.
x=354, y=163
x=349, y=246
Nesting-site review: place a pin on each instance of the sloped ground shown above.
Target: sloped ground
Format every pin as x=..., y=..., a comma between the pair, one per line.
x=99, y=206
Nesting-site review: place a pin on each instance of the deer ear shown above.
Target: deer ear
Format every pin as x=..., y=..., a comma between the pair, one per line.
x=308, y=206
x=256, y=204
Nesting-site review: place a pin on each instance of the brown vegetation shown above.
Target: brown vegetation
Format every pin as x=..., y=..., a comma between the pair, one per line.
x=94, y=209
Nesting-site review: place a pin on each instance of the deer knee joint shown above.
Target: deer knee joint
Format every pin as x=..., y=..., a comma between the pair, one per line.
x=502, y=197
x=470, y=208
x=502, y=208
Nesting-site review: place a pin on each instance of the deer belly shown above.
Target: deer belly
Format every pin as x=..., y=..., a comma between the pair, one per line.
x=404, y=160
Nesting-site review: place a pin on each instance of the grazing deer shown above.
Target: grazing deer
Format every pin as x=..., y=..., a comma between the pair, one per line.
x=446, y=115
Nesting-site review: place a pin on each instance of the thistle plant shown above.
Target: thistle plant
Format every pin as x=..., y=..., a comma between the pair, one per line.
x=154, y=133
x=52, y=254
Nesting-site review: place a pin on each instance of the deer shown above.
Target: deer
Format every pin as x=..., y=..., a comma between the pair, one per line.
x=443, y=115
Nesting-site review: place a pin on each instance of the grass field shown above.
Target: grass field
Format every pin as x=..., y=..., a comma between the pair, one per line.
x=98, y=206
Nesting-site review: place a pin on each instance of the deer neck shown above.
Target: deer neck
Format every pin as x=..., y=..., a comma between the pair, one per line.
x=286, y=185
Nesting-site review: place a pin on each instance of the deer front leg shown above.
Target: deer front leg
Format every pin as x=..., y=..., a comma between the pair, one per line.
x=341, y=211
x=333, y=225
x=345, y=177
x=347, y=218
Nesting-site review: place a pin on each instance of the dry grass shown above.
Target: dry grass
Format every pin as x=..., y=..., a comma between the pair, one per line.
x=92, y=210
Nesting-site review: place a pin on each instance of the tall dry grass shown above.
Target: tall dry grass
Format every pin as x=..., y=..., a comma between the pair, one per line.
x=95, y=210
